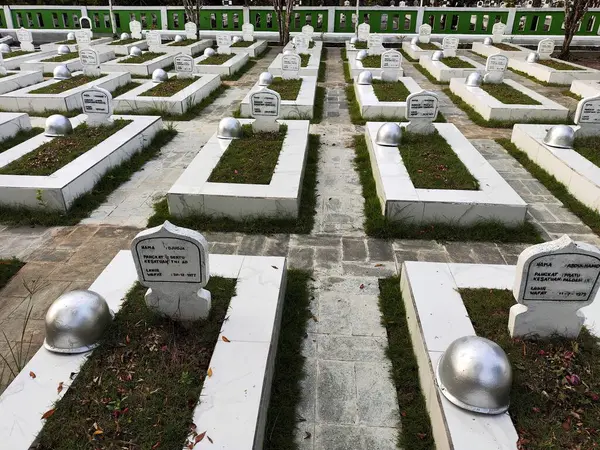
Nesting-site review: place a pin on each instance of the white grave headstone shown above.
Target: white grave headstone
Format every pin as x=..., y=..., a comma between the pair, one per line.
x=25, y=39
x=265, y=105
x=450, y=45
x=224, y=44
x=2, y=66
x=545, y=48
x=302, y=42
x=154, y=40
x=391, y=61
x=308, y=31
x=375, y=44
x=184, y=66
x=85, y=24
x=553, y=281
x=97, y=104
x=421, y=110
x=90, y=60
x=290, y=66
x=191, y=30
x=425, y=33
x=498, y=32
x=587, y=116
x=495, y=68
x=136, y=29
x=248, y=32
x=364, y=29
x=83, y=39
x=173, y=263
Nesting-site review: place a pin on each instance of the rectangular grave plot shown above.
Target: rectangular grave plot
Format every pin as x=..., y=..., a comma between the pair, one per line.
x=230, y=65
x=371, y=107
x=443, y=71
x=144, y=68
x=554, y=71
x=17, y=80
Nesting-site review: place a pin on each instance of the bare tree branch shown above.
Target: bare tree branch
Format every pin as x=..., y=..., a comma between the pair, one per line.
x=574, y=12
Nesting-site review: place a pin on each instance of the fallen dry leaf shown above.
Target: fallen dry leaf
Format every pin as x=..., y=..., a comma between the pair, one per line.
x=199, y=437
x=225, y=339
x=48, y=413
x=307, y=435
x=59, y=388
x=275, y=267
x=32, y=374
x=155, y=446
x=209, y=373
x=209, y=439
x=97, y=432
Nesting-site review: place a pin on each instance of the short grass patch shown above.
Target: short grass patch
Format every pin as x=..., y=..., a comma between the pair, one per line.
x=568, y=93
x=427, y=75
x=347, y=76
x=169, y=88
x=51, y=156
x=360, y=45
x=456, y=63
x=304, y=60
x=71, y=42
x=124, y=41
x=288, y=89
x=534, y=79
x=407, y=57
x=508, y=94
x=319, y=107
x=377, y=225
x=216, y=60
x=558, y=65
x=15, y=54
x=322, y=66
x=589, y=148
x=506, y=47
x=151, y=370
x=555, y=396
x=390, y=91
x=372, y=61
x=183, y=43
x=19, y=138
x=145, y=57
x=428, y=46
x=64, y=85
x=251, y=159
x=8, y=269
x=303, y=224
x=244, y=44
x=125, y=88
x=432, y=164
x=62, y=58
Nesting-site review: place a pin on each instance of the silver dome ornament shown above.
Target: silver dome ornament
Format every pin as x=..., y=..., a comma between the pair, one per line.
x=474, y=79
x=70, y=36
x=414, y=41
x=159, y=75
x=57, y=125
x=61, y=72
x=353, y=40
x=364, y=78
x=289, y=52
x=76, y=321
x=178, y=38
x=475, y=374
x=64, y=50
x=209, y=52
x=488, y=41
x=389, y=135
x=533, y=57
x=4, y=48
x=560, y=136
x=125, y=36
x=229, y=128
x=361, y=55
x=236, y=39
x=438, y=55
x=265, y=79
x=135, y=51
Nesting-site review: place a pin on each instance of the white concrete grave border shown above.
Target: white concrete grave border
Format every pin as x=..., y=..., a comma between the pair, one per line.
x=144, y=69
x=550, y=75
x=401, y=201
x=424, y=287
x=15, y=62
x=192, y=49
x=311, y=70
x=585, y=88
x=53, y=46
x=443, y=73
x=193, y=194
x=133, y=101
x=59, y=190
x=371, y=107
x=414, y=51
x=519, y=52
x=231, y=399
x=72, y=64
x=356, y=67
x=301, y=108
x=23, y=100
x=18, y=80
x=229, y=67
x=124, y=49
x=12, y=123
x=491, y=108
x=254, y=50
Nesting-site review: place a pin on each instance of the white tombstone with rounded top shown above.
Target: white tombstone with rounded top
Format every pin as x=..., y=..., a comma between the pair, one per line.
x=136, y=29
x=553, y=281
x=248, y=32
x=97, y=104
x=364, y=29
x=184, y=66
x=450, y=45
x=90, y=60
x=302, y=43
x=290, y=66
x=264, y=107
x=545, y=48
x=308, y=31
x=495, y=67
x=498, y=32
x=25, y=39
x=587, y=116
x=391, y=62
x=83, y=39
x=425, y=33
x=3, y=70
x=85, y=24
x=191, y=30
x=173, y=263
x=421, y=110
x=375, y=44
x=224, y=44
x=154, y=40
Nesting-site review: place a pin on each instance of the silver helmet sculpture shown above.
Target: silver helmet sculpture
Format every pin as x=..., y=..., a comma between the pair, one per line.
x=125, y=36
x=414, y=41
x=365, y=77
x=265, y=79
x=236, y=39
x=560, y=136
x=76, y=321
x=475, y=374
x=533, y=57
x=353, y=40
x=362, y=54
x=229, y=128
x=57, y=125
x=488, y=41
x=159, y=75
x=389, y=135
x=61, y=72
x=4, y=48
x=178, y=38
x=208, y=52
x=70, y=36
x=63, y=50
x=438, y=55
x=474, y=79
x=135, y=51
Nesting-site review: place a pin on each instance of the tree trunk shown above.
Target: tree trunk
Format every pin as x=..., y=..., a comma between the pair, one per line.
x=574, y=12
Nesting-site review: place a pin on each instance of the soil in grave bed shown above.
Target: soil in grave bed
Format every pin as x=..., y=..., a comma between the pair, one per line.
x=140, y=387
x=216, y=60
x=244, y=44
x=61, y=58
x=251, y=159
x=169, y=88
x=372, y=61
x=428, y=46
x=506, y=47
x=288, y=89
x=141, y=59
x=15, y=54
x=455, y=62
x=557, y=65
x=508, y=94
x=390, y=92
x=51, y=156
x=64, y=85
x=19, y=138
x=432, y=164
x=124, y=41
x=555, y=397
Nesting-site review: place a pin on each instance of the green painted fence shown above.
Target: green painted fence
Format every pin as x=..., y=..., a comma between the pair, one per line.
x=463, y=22
x=387, y=21
x=222, y=19
x=37, y=19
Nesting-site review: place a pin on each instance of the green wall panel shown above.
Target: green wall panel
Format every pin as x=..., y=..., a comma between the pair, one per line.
x=538, y=23
x=176, y=19
x=221, y=19
x=36, y=19
x=301, y=17
x=150, y=19
x=259, y=18
x=463, y=22
x=381, y=21
x=2, y=19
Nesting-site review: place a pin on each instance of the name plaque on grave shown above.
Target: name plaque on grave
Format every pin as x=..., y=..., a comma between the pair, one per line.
x=290, y=63
x=24, y=35
x=450, y=43
x=422, y=106
x=496, y=63
x=89, y=57
x=363, y=31
x=375, y=41
x=302, y=42
x=425, y=33
x=498, y=32
x=191, y=30
x=248, y=32
x=308, y=31
x=136, y=29
x=223, y=40
x=588, y=111
x=391, y=59
x=153, y=39
x=546, y=47
x=95, y=102
x=169, y=260
x=184, y=65
x=265, y=104
x=83, y=38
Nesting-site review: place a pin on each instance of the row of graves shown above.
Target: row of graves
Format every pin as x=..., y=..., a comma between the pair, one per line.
x=309, y=50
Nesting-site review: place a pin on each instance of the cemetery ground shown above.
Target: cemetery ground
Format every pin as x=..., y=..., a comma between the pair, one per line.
x=343, y=329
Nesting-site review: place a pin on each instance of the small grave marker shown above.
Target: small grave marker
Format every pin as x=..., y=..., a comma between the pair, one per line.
x=154, y=40
x=97, y=104
x=290, y=66
x=495, y=68
x=25, y=39
x=425, y=33
x=184, y=66
x=136, y=29
x=375, y=44
x=224, y=44
x=421, y=110
x=545, y=48
x=450, y=45
x=173, y=263
x=191, y=30
x=248, y=32
x=308, y=31
x=2, y=66
x=364, y=29
x=83, y=39
x=90, y=60
x=302, y=42
x=265, y=105
x=553, y=281
x=498, y=32
x=587, y=116
x=391, y=61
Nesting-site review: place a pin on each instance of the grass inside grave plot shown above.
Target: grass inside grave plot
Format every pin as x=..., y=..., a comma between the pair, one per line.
x=455, y=62
x=432, y=164
x=183, y=43
x=427, y=75
x=251, y=159
x=372, y=61
x=390, y=91
x=8, y=269
x=304, y=60
x=244, y=44
x=16, y=53
x=70, y=42
x=64, y=85
x=169, y=88
x=589, y=148
x=19, y=138
x=288, y=89
x=534, y=79
x=558, y=65
x=428, y=46
x=216, y=60
x=360, y=45
x=555, y=397
x=506, y=47
x=51, y=156
x=125, y=88
x=140, y=387
x=141, y=59
x=508, y=94
x=61, y=58
x=124, y=41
